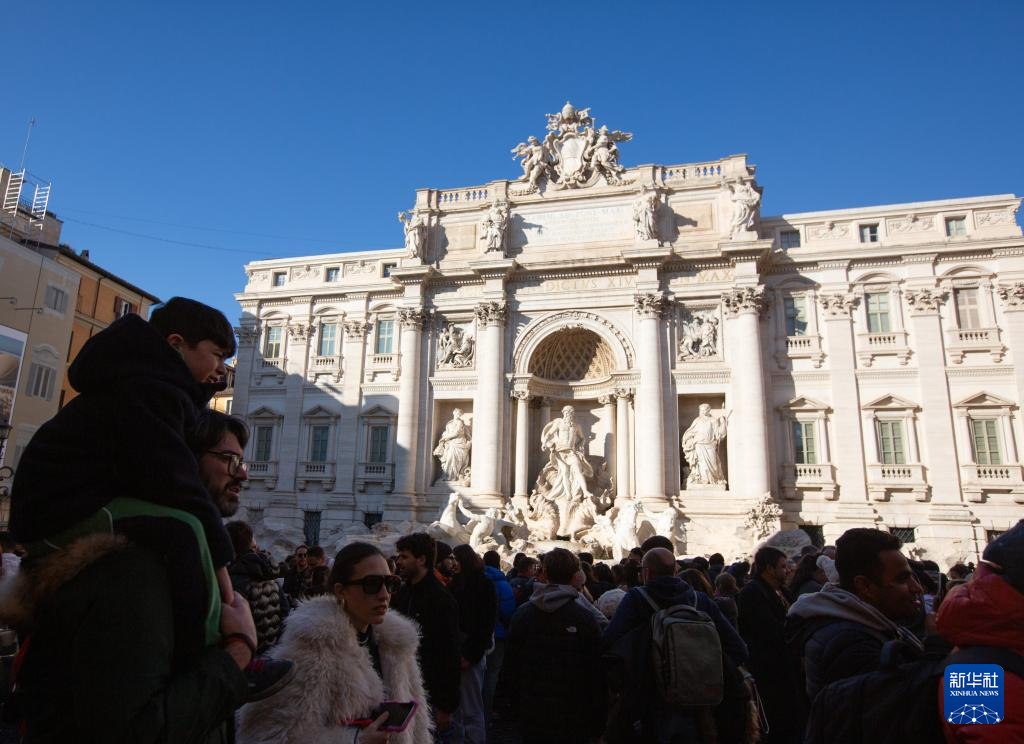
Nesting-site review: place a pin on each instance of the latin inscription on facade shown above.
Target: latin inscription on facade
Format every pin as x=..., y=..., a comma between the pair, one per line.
x=567, y=226
x=579, y=284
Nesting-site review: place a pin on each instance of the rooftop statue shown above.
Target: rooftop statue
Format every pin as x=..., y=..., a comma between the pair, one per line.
x=573, y=154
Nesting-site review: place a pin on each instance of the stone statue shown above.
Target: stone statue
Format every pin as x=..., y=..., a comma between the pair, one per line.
x=453, y=450
x=415, y=231
x=700, y=338
x=538, y=159
x=667, y=523
x=602, y=154
x=700, y=448
x=495, y=227
x=625, y=518
x=573, y=154
x=563, y=440
x=455, y=347
x=744, y=207
x=645, y=209
x=485, y=528
x=448, y=527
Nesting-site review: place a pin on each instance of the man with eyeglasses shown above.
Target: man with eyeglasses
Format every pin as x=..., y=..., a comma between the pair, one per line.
x=218, y=442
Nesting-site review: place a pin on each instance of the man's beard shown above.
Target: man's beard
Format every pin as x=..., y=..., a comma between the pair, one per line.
x=228, y=504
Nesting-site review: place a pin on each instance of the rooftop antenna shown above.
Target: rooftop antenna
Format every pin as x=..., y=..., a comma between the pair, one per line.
x=28, y=136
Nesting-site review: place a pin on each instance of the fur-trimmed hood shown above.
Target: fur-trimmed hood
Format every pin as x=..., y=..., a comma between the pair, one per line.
x=39, y=579
x=335, y=680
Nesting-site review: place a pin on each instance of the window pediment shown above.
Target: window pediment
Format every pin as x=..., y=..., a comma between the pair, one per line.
x=264, y=413
x=321, y=413
x=804, y=403
x=890, y=403
x=985, y=400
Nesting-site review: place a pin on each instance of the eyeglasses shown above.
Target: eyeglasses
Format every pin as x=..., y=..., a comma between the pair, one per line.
x=233, y=459
x=373, y=583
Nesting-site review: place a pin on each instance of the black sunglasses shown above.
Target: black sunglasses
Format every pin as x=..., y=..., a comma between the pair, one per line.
x=371, y=584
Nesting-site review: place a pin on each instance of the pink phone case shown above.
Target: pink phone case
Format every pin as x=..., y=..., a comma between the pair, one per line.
x=405, y=723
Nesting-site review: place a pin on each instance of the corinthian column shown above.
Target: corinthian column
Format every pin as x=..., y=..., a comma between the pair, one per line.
x=522, y=399
x=650, y=415
x=748, y=474
x=487, y=407
x=411, y=320
x=622, y=397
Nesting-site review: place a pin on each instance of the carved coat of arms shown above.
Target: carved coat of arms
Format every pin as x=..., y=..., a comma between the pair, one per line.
x=573, y=154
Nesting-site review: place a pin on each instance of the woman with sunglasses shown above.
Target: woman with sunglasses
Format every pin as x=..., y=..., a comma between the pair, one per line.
x=351, y=654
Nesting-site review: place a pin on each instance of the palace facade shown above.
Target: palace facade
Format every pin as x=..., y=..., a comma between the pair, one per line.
x=860, y=363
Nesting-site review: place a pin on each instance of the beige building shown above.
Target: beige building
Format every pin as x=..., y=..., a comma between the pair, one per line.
x=730, y=374
x=102, y=298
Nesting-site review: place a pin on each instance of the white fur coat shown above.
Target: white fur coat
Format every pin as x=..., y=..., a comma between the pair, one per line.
x=335, y=680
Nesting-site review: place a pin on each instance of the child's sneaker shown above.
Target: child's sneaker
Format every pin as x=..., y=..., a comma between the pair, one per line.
x=267, y=676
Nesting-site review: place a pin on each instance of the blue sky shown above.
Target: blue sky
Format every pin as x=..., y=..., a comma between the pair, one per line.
x=272, y=129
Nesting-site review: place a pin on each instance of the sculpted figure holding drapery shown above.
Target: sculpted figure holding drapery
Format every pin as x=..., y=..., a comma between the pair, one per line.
x=700, y=447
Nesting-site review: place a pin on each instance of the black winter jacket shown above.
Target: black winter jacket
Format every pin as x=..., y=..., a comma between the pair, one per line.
x=553, y=666
x=124, y=435
x=437, y=613
x=762, y=620
x=478, y=612
x=254, y=577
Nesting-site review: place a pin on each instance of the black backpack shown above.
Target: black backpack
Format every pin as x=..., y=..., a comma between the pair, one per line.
x=897, y=704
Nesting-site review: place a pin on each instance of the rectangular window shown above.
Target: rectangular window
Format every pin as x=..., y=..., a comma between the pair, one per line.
x=985, y=441
x=264, y=440
x=956, y=227
x=385, y=337
x=796, y=315
x=869, y=233
x=318, y=438
x=878, y=312
x=905, y=534
x=280, y=277
x=311, y=527
x=967, y=314
x=41, y=380
x=122, y=307
x=789, y=239
x=56, y=299
x=378, y=451
x=328, y=333
x=272, y=346
x=992, y=535
x=385, y=270
x=890, y=443
x=804, y=444
x=332, y=274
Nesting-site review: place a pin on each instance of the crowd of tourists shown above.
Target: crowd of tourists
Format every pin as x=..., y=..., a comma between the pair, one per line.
x=143, y=613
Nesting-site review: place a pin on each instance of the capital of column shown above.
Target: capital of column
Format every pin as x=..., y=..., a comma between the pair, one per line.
x=299, y=331
x=626, y=393
x=521, y=394
x=838, y=305
x=355, y=330
x=491, y=313
x=925, y=301
x=1012, y=296
x=247, y=335
x=649, y=304
x=412, y=318
x=606, y=400
x=745, y=300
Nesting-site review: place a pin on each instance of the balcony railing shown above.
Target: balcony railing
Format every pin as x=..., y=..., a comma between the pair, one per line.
x=882, y=343
x=959, y=341
x=809, y=476
x=316, y=471
x=883, y=478
x=382, y=473
x=980, y=478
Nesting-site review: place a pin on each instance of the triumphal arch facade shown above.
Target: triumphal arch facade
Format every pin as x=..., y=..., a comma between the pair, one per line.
x=588, y=351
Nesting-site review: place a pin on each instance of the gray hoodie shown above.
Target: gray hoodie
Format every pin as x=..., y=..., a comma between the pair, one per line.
x=549, y=597
x=838, y=604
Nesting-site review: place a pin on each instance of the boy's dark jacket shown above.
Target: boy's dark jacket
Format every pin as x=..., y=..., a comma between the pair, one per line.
x=124, y=435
